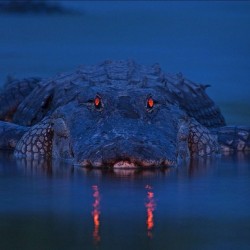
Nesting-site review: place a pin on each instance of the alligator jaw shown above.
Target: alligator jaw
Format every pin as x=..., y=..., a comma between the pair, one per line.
x=127, y=164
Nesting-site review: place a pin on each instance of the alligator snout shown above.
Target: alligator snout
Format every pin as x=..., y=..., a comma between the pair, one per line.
x=126, y=154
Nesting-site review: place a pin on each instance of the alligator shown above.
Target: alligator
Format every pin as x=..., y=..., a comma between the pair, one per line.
x=116, y=114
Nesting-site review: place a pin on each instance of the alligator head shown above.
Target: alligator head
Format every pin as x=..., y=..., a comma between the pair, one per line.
x=124, y=128
x=112, y=127
x=118, y=114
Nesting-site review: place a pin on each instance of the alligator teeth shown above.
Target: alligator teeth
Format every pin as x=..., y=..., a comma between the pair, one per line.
x=124, y=164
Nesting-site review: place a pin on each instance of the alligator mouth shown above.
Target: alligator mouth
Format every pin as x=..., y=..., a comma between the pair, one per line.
x=127, y=164
x=126, y=153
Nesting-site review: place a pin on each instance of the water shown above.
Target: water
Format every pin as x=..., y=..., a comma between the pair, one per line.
x=201, y=206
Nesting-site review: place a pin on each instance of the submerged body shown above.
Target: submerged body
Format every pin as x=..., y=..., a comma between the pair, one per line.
x=118, y=114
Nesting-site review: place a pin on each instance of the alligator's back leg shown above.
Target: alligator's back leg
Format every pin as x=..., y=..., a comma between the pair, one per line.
x=234, y=138
x=203, y=141
x=13, y=94
x=10, y=134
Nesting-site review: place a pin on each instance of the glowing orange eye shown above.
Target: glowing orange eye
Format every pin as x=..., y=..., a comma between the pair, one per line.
x=150, y=103
x=97, y=102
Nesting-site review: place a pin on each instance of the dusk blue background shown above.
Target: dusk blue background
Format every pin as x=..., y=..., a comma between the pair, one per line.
x=209, y=42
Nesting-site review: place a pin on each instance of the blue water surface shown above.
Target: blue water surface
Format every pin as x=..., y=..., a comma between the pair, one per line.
x=204, y=205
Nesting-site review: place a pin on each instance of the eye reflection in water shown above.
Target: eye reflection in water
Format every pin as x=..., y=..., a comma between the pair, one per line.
x=150, y=206
x=96, y=214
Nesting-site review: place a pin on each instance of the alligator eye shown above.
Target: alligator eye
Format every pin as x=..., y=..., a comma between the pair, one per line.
x=150, y=103
x=97, y=102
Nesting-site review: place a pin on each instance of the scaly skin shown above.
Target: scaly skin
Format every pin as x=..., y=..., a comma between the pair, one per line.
x=118, y=114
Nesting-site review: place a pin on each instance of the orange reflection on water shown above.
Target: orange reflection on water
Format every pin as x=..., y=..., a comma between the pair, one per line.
x=150, y=206
x=96, y=213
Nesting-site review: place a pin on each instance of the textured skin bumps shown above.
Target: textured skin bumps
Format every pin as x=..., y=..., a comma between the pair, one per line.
x=201, y=141
x=10, y=135
x=122, y=75
x=118, y=114
x=36, y=142
x=14, y=93
x=234, y=138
